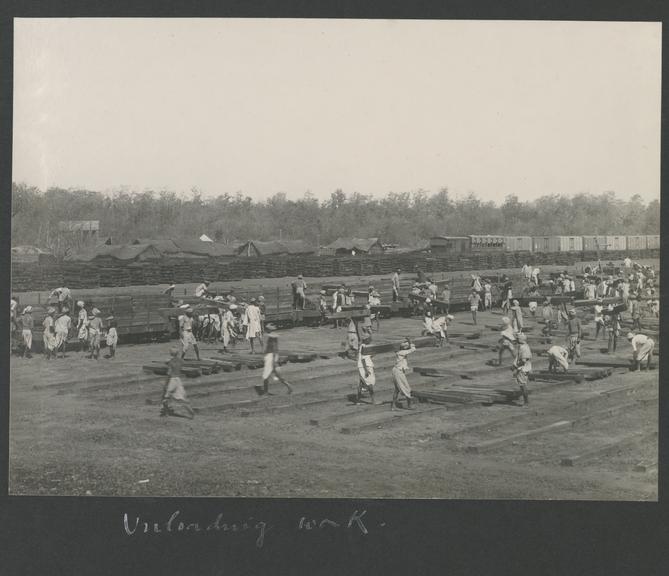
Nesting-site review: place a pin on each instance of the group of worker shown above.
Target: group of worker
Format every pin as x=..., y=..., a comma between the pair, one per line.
x=58, y=327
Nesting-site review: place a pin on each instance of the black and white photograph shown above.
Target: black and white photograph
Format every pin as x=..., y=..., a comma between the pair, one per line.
x=335, y=259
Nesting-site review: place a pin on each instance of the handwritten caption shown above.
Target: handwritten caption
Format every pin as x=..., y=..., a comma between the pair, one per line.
x=178, y=523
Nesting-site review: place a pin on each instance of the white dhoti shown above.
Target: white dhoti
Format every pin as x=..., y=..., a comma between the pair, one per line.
x=268, y=367
x=187, y=340
x=49, y=340
x=61, y=338
x=645, y=350
x=27, y=338
x=401, y=382
x=559, y=359
x=370, y=380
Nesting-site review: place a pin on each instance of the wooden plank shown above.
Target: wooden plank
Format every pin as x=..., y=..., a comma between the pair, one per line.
x=645, y=466
x=487, y=445
x=392, y=418
x=606, y=448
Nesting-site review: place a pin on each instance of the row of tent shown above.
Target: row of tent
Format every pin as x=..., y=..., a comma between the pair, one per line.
x=142, y=249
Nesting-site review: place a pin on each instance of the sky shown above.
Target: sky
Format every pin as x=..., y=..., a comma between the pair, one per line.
x=370, y=106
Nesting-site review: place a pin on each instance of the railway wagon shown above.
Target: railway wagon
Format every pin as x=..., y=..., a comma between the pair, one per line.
x=594, y=243
x=653, y=242
x=636, y=242
x=518, y=243
x=487, y=243
x=557, y=243
x=451, y=244
x=616, y=243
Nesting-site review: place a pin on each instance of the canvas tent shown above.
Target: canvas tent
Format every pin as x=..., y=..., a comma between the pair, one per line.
x=275, y=248
x=343, y=246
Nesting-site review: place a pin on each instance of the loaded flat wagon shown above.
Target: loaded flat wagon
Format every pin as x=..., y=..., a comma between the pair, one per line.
x=487, y=243
x=594, y=243
x=636, y=242
x=616, y=243
x=653, y=242
x=450, y=244
x=557, y=244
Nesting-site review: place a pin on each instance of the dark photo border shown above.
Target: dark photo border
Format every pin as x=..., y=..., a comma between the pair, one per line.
x=80, y=536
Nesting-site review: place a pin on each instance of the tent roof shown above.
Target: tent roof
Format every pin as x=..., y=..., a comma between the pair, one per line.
x=361, y=244
x=117, y=251
x=280, y=247
x=189, y=246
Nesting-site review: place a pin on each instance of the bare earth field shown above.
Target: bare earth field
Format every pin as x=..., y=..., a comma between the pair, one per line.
x=82, y=426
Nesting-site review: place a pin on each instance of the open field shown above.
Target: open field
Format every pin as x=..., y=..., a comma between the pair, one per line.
x=84, y=427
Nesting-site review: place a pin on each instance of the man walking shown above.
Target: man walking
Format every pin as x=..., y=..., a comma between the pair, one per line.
x=254, y=329
x=574, y=335
x=474, y=299
x=27, y=325
x=186, y=332
x=300, y=292
x=396, y=285
x=62, y=326
x=522, y=366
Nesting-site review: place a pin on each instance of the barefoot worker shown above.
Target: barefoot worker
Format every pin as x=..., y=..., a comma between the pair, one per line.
x=27, y=325
x=112, y=336
x=94, y=333
x=507, y=341
x=62, y=326
x=642, y=349
x=367, y=378
x=522, y=366
x=558, y=356
x=49, y=333
x=174, y=394
x=186, y=332
x=253, y=324
x=82, y=326
x=399, y=373
x=271, y=368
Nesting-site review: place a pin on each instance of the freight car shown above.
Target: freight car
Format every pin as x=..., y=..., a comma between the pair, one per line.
x=557, y=243
x=478, y=243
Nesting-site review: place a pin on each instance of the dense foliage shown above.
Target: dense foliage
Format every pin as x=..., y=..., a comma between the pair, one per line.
x=407, y=218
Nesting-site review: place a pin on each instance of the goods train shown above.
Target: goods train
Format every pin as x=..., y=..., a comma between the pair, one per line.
x=477, y=243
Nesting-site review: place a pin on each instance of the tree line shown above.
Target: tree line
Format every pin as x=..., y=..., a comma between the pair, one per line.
x=407, y=218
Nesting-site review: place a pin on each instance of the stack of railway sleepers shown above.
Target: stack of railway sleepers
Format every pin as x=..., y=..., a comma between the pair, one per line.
x=190, y=367
x=466, y=395
x=579, y=374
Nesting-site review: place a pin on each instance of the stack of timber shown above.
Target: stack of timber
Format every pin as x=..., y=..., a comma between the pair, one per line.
x=253, y=361
x=578, y=375
x=464, y=395
x=193, y=368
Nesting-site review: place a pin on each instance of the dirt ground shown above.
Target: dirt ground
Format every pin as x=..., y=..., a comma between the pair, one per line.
x=82, y=426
